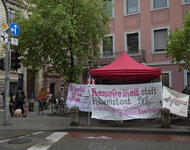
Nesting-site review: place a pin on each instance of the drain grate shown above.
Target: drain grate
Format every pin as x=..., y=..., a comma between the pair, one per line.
x=19, y=141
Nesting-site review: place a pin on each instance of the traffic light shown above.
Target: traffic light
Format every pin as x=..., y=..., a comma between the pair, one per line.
x=1, y=63
x=15, y=60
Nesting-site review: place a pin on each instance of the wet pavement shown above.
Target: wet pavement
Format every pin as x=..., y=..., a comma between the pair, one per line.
x=128, y=136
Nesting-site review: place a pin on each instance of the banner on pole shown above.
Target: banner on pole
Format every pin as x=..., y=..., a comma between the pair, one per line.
x=78, y=95
x=126, y=102
x=176, y=102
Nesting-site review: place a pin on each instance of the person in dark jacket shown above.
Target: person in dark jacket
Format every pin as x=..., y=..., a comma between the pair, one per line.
x=3, y=95
x=186, y=90
x=20, y=100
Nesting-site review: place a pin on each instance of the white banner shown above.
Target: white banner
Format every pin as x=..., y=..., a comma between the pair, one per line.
x=176, y=102
x=78, y=95
x=126, y=102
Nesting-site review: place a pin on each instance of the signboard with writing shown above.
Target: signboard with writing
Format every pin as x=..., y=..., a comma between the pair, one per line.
x=78, y=95
x=126, y=102
x=176, y=102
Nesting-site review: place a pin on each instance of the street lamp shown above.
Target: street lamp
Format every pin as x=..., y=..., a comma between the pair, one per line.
x=7, y=75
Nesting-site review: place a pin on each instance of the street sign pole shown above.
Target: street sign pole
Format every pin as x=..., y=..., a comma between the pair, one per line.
x=7, y=74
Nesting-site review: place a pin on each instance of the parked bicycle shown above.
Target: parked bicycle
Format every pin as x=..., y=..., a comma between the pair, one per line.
x=58, y=105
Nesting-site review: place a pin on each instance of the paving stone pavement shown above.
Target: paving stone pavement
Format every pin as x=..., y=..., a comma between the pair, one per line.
x=50, y=121
x=33, y=121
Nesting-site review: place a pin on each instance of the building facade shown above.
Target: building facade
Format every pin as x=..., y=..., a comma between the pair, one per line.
x=141, y=28
x=17, y=77
x=31, y=84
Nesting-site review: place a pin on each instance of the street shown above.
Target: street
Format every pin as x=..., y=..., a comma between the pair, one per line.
x=48, y=140
x=53, y=132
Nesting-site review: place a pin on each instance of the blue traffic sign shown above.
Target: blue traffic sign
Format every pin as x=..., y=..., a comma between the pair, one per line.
x=14, y=29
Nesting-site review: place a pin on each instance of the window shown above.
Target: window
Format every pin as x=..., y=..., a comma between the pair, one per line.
x=110, y=8
x=185, y=1
x=186, y=78
x=158, y=4
x=132, y=42
x=13, y=87
x=131, y=7
x=160, y=37
x=166, y=79
x=107, y=47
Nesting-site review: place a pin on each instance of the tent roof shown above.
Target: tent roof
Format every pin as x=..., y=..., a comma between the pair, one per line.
x=127, y=69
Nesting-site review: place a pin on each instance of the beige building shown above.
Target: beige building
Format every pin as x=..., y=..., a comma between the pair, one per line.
x=12, y=5
x=19, y=77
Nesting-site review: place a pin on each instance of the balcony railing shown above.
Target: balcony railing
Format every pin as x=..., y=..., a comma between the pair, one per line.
x=107, y=58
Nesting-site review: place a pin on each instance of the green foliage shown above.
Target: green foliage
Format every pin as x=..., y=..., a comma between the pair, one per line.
x=62, y=33
x=179, y=45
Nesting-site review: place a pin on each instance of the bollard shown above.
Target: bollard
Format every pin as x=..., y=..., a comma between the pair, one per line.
x=119, y=123
x=74, y=116
x=165, y=118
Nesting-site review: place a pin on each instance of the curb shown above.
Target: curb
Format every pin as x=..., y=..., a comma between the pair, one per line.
x=160, y=131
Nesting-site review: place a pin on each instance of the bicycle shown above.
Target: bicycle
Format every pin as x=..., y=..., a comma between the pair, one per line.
x=58, y=105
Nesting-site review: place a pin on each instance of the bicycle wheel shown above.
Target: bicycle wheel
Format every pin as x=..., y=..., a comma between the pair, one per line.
x=65, y=109
x=60, y=107
x=53, y=107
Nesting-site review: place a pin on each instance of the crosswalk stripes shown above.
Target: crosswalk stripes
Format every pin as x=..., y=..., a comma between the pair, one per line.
x=50, y=140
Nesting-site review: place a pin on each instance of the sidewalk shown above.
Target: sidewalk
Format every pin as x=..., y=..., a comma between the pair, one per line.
x=49, y=121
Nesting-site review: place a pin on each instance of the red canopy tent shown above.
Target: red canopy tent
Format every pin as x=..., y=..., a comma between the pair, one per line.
x=126, y=69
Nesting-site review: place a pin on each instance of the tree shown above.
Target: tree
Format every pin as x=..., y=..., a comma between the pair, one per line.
x=62, y=33
x=178, y=46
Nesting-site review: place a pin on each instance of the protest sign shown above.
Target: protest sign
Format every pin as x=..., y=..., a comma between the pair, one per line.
x=78, y=95
x=176, y=102
x=125, y=102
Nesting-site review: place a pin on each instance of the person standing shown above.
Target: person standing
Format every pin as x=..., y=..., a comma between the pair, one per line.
x=20, y=101
x=42, y=97
x=3, y=95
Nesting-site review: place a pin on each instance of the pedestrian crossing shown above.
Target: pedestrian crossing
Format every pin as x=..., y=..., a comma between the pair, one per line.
x=50, y=140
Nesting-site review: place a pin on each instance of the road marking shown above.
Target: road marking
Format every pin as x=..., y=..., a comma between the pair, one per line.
x=37, y=133
x=7, y=140
x=99, y=137
x=50, y=140
x=1, y=110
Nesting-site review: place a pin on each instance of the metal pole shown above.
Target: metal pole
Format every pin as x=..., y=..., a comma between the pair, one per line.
x=89, y=112
x=7, y=75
